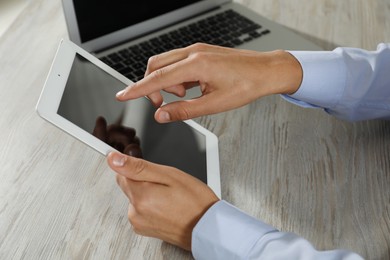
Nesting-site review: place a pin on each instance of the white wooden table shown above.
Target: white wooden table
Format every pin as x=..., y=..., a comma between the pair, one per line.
x=298, y=170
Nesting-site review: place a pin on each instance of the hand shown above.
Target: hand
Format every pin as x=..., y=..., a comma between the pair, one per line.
x=228, y=78
x=165, y=202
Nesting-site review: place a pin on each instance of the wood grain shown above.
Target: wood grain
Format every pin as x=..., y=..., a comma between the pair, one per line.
x=298, y=170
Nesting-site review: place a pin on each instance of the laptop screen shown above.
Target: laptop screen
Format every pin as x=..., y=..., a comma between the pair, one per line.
x=97, y=18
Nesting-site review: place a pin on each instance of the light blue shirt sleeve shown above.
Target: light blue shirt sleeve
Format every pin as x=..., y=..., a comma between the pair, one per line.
x=349, y=83
x=225, y=232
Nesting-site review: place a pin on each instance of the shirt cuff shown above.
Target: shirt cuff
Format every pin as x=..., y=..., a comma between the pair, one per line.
x=324, y=78
x=225, y=232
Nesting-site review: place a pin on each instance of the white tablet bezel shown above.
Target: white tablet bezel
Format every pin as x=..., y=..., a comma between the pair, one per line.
x=53, y=90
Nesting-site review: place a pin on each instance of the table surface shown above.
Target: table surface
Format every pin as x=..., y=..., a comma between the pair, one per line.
x=297, y=169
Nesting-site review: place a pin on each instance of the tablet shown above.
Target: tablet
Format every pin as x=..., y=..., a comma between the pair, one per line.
x=79, y=98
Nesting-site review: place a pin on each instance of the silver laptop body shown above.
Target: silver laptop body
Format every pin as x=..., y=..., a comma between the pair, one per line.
x=110, y=29
x=279, y=38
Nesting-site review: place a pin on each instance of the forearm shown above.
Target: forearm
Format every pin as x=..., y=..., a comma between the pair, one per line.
x=351, y=84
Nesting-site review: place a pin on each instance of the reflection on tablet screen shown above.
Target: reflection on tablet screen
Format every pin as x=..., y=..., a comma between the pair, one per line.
x=89, y=102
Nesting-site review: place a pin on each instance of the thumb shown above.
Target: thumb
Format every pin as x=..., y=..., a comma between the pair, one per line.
x=181, y=110
x=136, y=169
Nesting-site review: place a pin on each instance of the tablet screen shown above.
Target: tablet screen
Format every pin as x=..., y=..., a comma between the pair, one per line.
x=89, y=102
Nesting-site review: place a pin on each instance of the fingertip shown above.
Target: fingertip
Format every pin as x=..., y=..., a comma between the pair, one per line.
x=121, y=95
x=124, y=94
x=162, y=116
x=116, y=160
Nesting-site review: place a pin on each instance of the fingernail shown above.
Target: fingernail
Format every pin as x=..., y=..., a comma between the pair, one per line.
x=120, y=93
x=118, y=160
x=164, y=116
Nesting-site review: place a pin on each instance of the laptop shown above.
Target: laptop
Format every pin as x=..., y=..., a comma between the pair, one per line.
x=124, y=34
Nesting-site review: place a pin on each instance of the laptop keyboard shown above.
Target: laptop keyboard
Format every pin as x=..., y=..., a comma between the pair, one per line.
x=229, y=29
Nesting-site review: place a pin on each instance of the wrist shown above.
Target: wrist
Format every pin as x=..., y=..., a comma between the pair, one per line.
x=296, y=75
x=285, y=73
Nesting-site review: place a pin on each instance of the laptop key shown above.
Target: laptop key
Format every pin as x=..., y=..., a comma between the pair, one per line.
x=228, y=29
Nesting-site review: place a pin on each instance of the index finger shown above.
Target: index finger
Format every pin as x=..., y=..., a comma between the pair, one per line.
x=175, y=74
x=154, y=63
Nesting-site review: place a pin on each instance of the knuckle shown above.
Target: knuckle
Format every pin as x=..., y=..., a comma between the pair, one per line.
x=199, y=58
x=136, y=230
x=153, y=59
x=137, y=225
x=140, y=202
x=131, y=214
x=158, y=74
x=184, y=112
x=138, y=207
x=152, y=63
x=139, y=166
x=198, y=46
